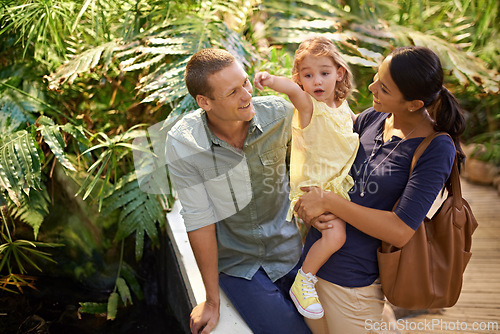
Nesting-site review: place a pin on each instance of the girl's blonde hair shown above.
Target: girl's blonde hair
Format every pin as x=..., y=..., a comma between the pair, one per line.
x=320, y=46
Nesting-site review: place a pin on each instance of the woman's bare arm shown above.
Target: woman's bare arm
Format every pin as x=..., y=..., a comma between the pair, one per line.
x=380, y=224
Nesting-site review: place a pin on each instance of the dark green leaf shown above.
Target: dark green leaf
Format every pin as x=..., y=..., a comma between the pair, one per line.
x=112, y=308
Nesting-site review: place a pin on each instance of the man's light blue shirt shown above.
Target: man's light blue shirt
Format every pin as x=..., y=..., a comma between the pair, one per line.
x=244, y=192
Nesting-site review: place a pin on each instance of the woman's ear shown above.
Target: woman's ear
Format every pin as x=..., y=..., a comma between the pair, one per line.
x=340, y=73
x=415, y=105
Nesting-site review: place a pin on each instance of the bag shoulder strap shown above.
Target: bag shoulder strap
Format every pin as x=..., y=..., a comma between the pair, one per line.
x=423, y=146
x=454, y=187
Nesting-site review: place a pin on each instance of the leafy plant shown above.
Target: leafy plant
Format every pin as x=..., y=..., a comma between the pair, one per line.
x=16, y=255
x=488, y=148
x=78, y=77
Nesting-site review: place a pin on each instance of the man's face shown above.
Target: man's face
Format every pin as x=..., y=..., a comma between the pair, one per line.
x=232, y=95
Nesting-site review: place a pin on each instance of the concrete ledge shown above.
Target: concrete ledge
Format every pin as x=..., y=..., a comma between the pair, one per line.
x=230, y=321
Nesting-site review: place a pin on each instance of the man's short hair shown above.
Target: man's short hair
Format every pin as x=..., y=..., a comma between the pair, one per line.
x=203, y=64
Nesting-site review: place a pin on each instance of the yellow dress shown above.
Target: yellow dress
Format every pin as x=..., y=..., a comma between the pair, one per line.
x=323, y=152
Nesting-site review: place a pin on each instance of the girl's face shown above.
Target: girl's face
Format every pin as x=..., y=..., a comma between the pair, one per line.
x=386, y=95
x=319, y=76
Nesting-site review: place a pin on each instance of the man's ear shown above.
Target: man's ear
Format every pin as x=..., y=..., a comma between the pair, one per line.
x=340, y=73
x=203, y=102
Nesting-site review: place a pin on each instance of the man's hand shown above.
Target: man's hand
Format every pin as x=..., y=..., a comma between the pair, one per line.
x=263, y=79
x=204, y=318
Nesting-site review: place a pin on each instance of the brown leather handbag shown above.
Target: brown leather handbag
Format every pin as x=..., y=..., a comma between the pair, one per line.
x=428, y=271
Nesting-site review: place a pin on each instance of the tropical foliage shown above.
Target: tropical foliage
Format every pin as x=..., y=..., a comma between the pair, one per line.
x=81, y=81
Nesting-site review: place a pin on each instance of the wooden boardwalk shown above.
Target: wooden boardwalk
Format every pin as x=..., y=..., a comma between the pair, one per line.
x=478, y=309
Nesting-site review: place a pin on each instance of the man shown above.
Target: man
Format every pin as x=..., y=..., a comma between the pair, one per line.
x=227, y=161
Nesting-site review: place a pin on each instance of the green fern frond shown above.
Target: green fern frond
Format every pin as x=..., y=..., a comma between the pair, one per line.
x=78, y=133
x=124, y=291
x=158, y=49
x=139, y=212
x=128, y=273
x=166, y=83
x=52, y=136
x=112, y=308
x=93, y=308
x=20, y=167
x=33, y=209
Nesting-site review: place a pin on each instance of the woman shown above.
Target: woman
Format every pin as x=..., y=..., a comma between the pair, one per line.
x=409, y=103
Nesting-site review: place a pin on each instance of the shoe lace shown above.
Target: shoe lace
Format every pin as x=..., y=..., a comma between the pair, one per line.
x=308, y=286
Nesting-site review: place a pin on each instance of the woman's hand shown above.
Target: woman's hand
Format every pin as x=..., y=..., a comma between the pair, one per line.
x=311, y=206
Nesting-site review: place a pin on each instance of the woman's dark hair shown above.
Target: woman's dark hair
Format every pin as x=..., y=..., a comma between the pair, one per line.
x=418, y=74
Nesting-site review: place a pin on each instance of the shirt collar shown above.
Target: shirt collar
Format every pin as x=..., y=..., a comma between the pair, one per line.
x=379, y=135
x=255, y=123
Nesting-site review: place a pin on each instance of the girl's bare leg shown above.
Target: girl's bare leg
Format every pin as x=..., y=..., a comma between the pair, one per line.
x=330, y=242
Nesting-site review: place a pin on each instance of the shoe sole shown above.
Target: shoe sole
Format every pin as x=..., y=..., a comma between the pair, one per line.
x=303, y=311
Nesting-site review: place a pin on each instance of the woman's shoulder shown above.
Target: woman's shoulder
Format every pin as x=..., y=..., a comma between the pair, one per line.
x=441, y=151
x=442, y=143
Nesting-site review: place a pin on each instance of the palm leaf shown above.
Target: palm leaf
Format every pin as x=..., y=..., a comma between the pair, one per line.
x=188, y=103
x=115, y=149
x=466, y=68
x=162, y=51
x=354, y=41
x=82, y=63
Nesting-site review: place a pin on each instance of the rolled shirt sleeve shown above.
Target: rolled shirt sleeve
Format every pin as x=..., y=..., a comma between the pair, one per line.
x=197, y=210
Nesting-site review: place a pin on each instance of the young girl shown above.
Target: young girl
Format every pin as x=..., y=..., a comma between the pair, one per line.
x=323, y=148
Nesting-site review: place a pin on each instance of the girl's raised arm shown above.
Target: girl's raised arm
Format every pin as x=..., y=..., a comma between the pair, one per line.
x=300, y=99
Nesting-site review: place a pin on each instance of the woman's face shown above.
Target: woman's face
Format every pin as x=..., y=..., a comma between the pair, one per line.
x=386, y=95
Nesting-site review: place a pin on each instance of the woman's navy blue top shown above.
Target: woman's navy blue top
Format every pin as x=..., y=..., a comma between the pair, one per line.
x=355, y=263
